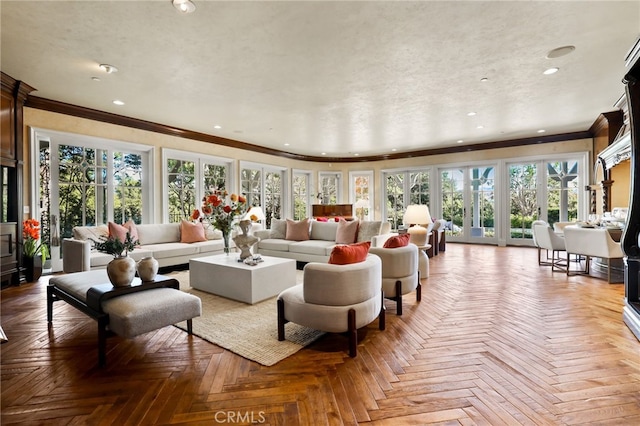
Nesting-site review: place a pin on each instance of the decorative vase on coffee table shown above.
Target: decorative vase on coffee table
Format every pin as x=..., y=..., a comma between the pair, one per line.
x=147, y=268
x=121, y=271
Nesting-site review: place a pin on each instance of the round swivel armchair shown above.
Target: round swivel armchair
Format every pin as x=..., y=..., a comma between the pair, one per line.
x=335, y=299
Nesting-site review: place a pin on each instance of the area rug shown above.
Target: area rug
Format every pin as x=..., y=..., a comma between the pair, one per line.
x=250, y=331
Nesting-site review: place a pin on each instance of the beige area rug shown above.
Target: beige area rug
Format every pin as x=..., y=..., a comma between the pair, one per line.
x=250, y=331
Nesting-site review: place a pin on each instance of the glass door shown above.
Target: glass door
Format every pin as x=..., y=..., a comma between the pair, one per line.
x=468, y=203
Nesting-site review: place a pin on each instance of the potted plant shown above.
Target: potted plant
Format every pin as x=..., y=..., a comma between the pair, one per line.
x=122, y=269
x=34, y=251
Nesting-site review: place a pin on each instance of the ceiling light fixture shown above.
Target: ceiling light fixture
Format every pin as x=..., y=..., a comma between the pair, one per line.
x=484, y=79
x=217, y=127
x=541, y=131
x=471, y=114
x=560, y=51
x=109, y=69
x=551, y=71
x=184, y=6
x=118, y=102
x=460, y=141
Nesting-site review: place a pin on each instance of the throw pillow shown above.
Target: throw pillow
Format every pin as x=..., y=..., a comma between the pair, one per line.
x=401, y=240
x=322, y=219
x=351, y=253
x=120, y=231
x=368, y=229
x=278, y=229
x=347, y=232
x=191, y=232
x=297, y=231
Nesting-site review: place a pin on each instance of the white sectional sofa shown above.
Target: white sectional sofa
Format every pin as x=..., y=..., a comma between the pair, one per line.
x=322, y=239
x=161, y=241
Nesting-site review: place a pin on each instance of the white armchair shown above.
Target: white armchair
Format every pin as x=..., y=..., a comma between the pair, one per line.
x=335, y=299
x=400, y=273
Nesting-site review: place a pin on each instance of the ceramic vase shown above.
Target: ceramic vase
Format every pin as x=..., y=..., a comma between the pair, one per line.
x=121, y=271
x=147, y=268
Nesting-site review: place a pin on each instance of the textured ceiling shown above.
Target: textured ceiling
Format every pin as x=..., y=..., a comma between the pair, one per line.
x=334, y=77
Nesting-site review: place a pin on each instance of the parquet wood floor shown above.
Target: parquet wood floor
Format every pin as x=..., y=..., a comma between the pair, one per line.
x=496, y=340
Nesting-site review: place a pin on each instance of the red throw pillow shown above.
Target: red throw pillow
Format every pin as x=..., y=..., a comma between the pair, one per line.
x=322, y=219
x=351, y=253
x=397, y=241
x=192, y=232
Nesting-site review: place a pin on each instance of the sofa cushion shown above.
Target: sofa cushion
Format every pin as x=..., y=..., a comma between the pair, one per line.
x=347, y=232
x=278, y=229
x=323, y=230
x=368, y=229
x=397, y=241
x=165, y=250
x=159, y=233
x=209, y=246
x=191, y=232
x=95, y=233
x=274, y=244
x=297, y=230
x=351, y=253
x=315, y=247
x=120, y=231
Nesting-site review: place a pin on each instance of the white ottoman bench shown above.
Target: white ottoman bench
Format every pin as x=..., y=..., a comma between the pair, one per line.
x=126, y=311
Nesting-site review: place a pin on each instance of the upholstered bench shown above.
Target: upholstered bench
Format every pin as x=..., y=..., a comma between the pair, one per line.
x=126, y=311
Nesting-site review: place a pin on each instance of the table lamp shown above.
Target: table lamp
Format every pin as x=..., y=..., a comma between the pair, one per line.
x=417, y=215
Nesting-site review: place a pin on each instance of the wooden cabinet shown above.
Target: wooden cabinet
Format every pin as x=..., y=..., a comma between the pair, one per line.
x=14, y=94
x=332, y=210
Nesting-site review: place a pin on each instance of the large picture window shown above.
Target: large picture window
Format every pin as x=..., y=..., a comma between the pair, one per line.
x=301, y=194
x=264, y=186
x=402, y=188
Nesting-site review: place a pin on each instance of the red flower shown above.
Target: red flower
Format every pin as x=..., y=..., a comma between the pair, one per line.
x=206, y=210
x=195, y=215
x=241, y=199
x=227, y=209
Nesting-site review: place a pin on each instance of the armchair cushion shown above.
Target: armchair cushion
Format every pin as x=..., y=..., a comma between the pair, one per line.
x=351, y=253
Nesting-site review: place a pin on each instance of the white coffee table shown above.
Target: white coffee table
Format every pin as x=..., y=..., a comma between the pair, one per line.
x=224, y=276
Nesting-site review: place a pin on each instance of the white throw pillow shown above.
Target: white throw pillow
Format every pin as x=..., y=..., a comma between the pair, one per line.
x=278, y=229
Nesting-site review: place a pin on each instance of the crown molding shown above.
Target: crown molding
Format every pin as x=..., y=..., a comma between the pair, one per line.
x=106, y=117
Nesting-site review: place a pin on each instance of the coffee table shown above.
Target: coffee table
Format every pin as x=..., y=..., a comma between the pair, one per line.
x=223, y=275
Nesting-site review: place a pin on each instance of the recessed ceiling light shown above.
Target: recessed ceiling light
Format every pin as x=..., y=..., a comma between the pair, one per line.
x=541, y=131
x=394, y=149
x=460, y=141
x=551, y=71
x=184, y=6
x=480, y=127
x=109, y=69
x=217, y=126
x=286, y=144
x=118, y=102
x=356, y=154
x=471, y=114
x=560, y=51
x=95, y=79
x=324, y=153
x=484, y=79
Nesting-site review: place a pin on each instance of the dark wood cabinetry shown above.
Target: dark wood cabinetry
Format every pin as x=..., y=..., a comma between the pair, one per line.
x=332, y=210
x=14, y=94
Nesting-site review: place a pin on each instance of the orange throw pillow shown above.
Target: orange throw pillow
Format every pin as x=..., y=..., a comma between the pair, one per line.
x=401, y=240
x=351, y=253
x=192, y=232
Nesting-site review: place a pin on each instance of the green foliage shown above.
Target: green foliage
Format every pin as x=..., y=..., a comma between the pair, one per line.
x=115, y=247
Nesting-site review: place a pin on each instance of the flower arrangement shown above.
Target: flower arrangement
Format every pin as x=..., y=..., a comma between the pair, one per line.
x=32, y=246
x=115, y=247
x=221, y=210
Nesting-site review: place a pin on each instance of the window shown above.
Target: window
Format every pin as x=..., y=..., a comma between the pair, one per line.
x=301, y=194
x=361, y=194
x=329, y=191
x=264, y=186
x=402, y=188
x=188, y=178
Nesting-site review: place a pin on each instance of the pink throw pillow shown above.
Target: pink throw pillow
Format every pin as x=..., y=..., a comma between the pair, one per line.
x=347, y=254
x=191, y=232
x=297, y=231
x=347, y=232
x=397, y=241
x=120, y=231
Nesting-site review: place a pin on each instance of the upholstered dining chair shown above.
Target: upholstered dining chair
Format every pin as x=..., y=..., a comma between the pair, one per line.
x=335, y=299
x=535, y=242
x=547, y=239
x=590, y=243
x=400, y=272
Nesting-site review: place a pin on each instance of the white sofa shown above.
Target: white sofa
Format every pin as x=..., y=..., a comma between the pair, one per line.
x=162, y=241
x=322, y=239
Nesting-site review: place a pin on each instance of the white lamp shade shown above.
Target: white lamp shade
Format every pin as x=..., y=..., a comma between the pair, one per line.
x=417, y=214
x=257, y=211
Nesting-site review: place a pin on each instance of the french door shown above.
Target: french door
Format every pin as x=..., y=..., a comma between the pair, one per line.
x=546, y=190
x=468, y=203
x=83, y=181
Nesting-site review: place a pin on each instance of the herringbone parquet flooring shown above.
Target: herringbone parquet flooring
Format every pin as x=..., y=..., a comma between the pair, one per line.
x=496, y=340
